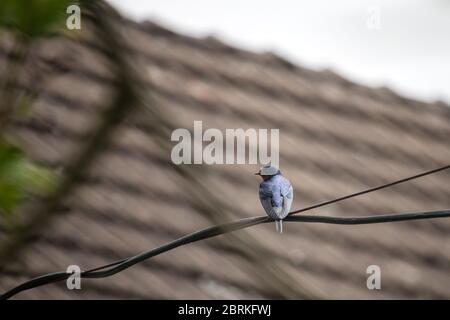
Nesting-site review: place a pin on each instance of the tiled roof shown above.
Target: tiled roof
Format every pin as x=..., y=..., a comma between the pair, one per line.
x=336, y=137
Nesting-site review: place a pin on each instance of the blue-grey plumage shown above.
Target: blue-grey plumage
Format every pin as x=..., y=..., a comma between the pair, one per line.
x=276, y=194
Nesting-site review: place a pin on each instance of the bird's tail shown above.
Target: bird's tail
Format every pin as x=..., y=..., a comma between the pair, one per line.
x=279, y=225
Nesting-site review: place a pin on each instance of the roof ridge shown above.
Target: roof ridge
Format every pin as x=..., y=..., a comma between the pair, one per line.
x=211, y=42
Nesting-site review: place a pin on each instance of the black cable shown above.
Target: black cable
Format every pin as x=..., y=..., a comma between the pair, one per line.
x=217, y=230
x=115, y=267
x=240, y=224
x=371, y=189
x=334, y=200
x=126, y=263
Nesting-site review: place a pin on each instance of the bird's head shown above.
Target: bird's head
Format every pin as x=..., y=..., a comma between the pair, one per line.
x=267, y=171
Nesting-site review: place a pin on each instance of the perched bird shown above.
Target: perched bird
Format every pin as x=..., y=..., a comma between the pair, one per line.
x=276, y=194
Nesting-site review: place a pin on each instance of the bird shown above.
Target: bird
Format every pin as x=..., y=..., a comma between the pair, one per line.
x=275, y=193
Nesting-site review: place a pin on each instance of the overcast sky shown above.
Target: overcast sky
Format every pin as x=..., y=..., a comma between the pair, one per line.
x=403, y=44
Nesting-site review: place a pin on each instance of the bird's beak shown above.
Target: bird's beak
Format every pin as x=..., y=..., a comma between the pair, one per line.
x=258, y=174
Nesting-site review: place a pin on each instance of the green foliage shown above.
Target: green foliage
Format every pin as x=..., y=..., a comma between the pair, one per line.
x=19, y=176
x=27, y=19
x=33, y=18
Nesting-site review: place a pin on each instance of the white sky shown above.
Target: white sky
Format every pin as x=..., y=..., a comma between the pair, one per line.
x=410, y=52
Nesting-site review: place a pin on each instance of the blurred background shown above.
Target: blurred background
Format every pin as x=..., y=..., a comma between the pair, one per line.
x=400, y=44
x=357, y=90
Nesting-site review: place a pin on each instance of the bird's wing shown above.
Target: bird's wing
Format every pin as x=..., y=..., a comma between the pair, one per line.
x=287, y=203
x=267, y=205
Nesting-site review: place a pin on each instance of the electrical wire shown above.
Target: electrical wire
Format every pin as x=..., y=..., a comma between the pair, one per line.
x=118, y=266
x=426, y=173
